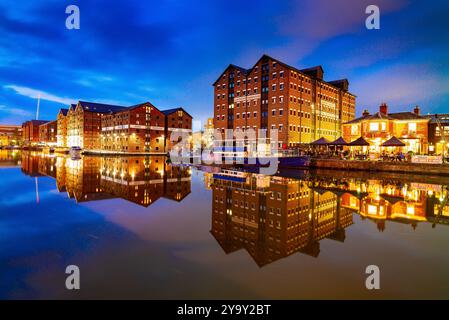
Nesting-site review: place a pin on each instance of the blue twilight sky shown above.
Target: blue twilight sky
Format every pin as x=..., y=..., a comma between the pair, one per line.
x=170, y=52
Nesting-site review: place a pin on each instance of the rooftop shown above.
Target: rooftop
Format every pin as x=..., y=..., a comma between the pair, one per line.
x=314, y=72
x=170, y=111
x=100, y=107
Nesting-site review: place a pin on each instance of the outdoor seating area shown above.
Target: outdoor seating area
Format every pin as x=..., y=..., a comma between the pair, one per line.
x=360, y=149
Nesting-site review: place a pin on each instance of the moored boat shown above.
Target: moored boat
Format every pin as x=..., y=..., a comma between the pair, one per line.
x=231, y=175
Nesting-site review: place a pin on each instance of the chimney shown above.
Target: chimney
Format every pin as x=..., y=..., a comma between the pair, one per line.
x=417, y=110
x=365, y=113
x=383, y=108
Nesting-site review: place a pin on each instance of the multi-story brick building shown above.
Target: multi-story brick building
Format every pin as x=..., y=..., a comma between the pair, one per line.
x=176, y=120
x=30, y=131
x=410, y=127
x=84, y=124
x=438, y=134
x=62, y=118
x=10, y=135
x=138, y=128
x=273, y=95
x=48, y=133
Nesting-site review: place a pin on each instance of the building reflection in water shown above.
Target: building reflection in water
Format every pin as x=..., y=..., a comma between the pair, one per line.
x=274, y=217
x=141, y=180
x=10, y=158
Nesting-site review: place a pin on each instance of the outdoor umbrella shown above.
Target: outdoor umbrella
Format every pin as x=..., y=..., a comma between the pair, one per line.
x=320, y=142
x=339, y=142
x=393, y=142
x=360, y=142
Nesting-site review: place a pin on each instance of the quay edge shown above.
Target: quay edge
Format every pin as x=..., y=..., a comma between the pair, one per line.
x=373, y=166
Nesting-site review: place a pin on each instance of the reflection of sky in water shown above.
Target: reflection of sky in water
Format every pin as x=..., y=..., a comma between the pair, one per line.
x=167, y=251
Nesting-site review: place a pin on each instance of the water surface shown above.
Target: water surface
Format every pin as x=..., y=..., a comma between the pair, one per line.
x=140, y=228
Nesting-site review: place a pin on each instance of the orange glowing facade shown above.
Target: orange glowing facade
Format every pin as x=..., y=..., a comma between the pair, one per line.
x=10, y=135
x=136, y=129
x=30, y=131
x=410, y=127
x=274, y=217
x=141, y=180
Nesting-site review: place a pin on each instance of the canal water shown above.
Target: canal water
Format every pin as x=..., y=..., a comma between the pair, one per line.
x=140, y=228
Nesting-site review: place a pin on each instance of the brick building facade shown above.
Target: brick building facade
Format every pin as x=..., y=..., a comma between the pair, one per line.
x=176, y=120
x=138, y=128
x=30, y=131
x=48, y=133
x=273, y=95
x=84, y=124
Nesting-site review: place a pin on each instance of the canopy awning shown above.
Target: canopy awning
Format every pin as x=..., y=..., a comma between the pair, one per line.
x=320, y=142
x=360, y=142
x=393, y=142
x=339, y=142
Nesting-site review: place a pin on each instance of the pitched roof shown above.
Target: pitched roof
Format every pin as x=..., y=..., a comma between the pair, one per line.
x=243, y=70
x=100, y=107
x=64, y=111
x=320, y=142
x=306, y=71
x=359, y=142
x=339, y=142
x=390, y=116
x=36, y=122
x=406, y=116
x=393, y=142
x=170, y=111
x=435, y=118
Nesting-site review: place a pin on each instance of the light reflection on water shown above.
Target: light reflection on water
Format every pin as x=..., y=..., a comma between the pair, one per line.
x=140, y=228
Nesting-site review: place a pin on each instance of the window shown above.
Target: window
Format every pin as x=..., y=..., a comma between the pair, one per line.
x=273, y=87
x=281, y=112
x=383, y=126
x=412, y=127
x=281, y=74
x=281, y=86
x=374, y=126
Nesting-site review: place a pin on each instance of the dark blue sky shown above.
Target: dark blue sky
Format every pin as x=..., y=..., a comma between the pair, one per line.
x=170, y=52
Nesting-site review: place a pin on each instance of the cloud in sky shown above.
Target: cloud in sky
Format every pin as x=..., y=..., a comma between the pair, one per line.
x=15, y=111
x=399, y=90
x=34, y=94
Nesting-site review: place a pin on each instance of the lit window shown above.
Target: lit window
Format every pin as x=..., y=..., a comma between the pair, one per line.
x=374, y=126
x=412, y=127
x=372, y=209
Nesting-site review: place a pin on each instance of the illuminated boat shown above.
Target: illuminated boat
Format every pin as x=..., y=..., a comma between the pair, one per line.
x=75, y=152
x=231, y=175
